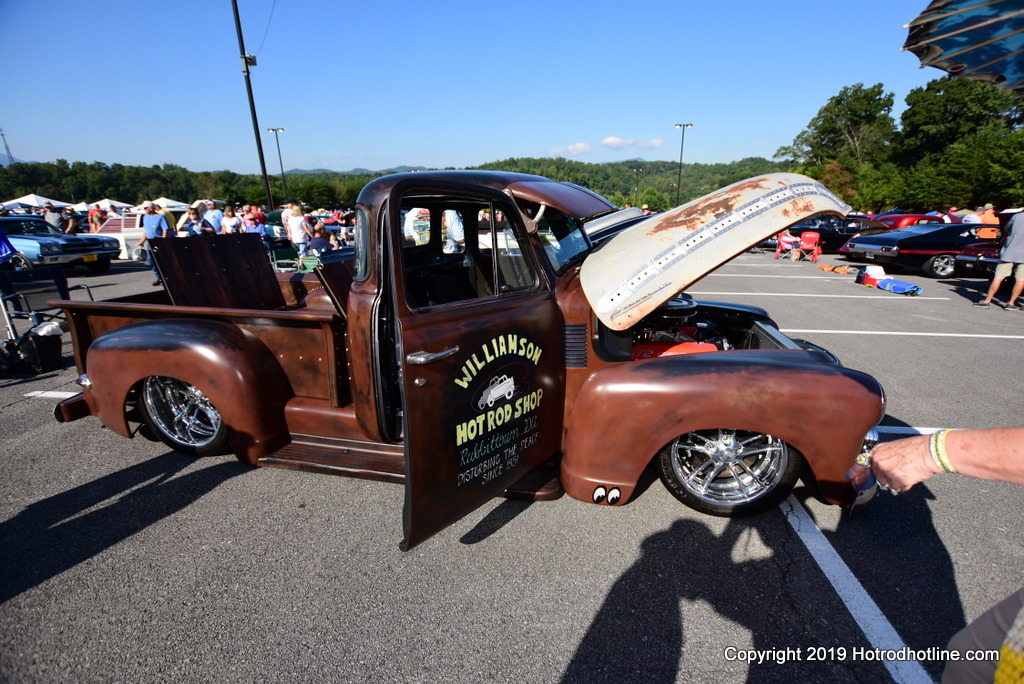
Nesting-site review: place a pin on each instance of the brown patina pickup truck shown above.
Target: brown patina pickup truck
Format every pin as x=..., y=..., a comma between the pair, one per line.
x=493, y=333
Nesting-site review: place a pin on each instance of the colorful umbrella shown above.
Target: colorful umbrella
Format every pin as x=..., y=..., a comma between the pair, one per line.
x=978, y=39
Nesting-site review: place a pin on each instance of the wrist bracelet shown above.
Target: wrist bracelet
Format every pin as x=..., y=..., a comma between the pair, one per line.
x=937, y=447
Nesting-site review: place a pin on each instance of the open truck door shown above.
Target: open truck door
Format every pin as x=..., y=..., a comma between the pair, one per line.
x=479, y=351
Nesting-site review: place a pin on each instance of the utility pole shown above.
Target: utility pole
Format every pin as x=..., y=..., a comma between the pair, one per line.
x=7, y=148
x=248, y=61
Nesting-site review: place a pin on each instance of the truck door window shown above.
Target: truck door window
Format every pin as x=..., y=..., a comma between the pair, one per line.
x=455, y=250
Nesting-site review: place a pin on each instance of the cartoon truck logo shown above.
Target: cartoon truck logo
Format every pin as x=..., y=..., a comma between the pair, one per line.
x=500, y=385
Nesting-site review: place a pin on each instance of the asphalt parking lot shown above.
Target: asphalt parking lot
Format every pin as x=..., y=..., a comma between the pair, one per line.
x=123, y=561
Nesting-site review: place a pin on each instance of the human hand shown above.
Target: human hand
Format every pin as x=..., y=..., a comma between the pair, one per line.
x=900, y=464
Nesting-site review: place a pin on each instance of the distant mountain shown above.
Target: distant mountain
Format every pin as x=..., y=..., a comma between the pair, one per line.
x=357, y=171
x=6, y=161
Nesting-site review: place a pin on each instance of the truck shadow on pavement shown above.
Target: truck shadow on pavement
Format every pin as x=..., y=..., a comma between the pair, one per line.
x=777, y=593
x=59, y=532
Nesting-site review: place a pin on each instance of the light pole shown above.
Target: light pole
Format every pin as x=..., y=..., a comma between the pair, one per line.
x=682, y=138
x=275, y=131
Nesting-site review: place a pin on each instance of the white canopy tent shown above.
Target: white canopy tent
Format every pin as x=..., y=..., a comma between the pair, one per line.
x=107, y=204
x=33, y=201
x=163, y=203
x=173, y=205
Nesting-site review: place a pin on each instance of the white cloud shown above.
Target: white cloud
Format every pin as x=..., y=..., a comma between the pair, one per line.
x=617, y=143
x=573, y=150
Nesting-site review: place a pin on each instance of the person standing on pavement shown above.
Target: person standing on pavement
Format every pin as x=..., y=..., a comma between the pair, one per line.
x=213, y=215
x=154, y=225
x=55, y=218
x=1011, y=259
x=299, y=229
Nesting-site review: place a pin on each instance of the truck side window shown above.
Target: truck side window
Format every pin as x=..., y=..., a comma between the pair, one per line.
x=459, y=249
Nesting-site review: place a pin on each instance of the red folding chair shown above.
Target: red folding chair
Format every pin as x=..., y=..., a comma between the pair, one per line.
x=809, y=248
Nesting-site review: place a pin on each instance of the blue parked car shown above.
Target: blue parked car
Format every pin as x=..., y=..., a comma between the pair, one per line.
x=43, y=245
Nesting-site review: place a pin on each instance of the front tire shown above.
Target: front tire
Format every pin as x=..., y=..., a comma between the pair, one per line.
x=729, y=473
x=940, y=266
x=20, y=262
x=182, y=416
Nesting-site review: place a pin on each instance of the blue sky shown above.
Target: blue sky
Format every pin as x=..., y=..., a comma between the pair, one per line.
x=444, y=83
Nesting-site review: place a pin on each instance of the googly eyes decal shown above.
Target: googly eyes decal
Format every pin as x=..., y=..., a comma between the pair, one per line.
x=610, y=497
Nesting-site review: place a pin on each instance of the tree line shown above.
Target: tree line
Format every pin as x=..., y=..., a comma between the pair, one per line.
x=958, y=142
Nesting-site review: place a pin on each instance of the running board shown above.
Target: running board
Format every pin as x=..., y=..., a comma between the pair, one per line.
x=386, y=463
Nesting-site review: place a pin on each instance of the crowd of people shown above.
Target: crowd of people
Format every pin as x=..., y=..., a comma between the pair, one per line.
x=307, y=233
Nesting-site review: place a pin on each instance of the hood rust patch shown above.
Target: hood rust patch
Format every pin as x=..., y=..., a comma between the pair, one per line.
x=694, y=215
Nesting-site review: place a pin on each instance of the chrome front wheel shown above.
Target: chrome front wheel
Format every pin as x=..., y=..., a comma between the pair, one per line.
x=728, y=472
x=182, y=416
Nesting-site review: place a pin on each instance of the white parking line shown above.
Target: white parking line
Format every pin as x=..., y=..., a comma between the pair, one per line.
x=787, y=294
x=773, y=277
x=898, y=333
x=898, y=430
x=880, y=634
x=52, y=395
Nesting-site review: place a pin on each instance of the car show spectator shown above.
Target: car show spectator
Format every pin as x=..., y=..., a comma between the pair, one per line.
x=172, y=222
x=96, y=218
x=195, y=225
x=992, y=454
x=1011, y=259
x=254, y=222
x=299, y=229
x=320, y=242
x=55, y=218
x=974, y=216
x=988, y=214
x=231, y=223
x=455, y=235
x=213, y=215
x=154, y=225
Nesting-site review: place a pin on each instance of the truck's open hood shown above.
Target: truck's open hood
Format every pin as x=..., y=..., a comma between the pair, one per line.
x=644, y=266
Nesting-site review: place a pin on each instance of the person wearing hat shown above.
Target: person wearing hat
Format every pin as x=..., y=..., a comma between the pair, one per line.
x=988, y=215
x=974, y=216
x=154, y=225
x=55, y=218
x=213, y=215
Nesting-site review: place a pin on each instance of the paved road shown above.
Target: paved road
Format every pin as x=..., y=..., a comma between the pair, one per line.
x=123, y=561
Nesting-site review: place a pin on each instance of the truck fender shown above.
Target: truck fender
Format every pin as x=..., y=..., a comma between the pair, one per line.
x=227, y=363
x=625, y=414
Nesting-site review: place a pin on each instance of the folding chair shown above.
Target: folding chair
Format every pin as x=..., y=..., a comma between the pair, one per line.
x=784, y=248
x=308, y=263
x=809, y=247
x=285, y=259
x=26, y=293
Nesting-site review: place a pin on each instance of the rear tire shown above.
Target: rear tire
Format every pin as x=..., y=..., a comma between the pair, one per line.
x=940, y=266
x=182, y=416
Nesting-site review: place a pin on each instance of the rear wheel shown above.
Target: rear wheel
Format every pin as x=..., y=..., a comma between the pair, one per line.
x=182, y=416
x=728, y=472
x=940, y=266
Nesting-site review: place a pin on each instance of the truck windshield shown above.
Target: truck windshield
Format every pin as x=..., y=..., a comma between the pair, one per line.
x=563, y=238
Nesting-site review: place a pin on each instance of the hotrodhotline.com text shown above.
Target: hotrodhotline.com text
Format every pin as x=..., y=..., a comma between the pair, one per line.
x=781, y=656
